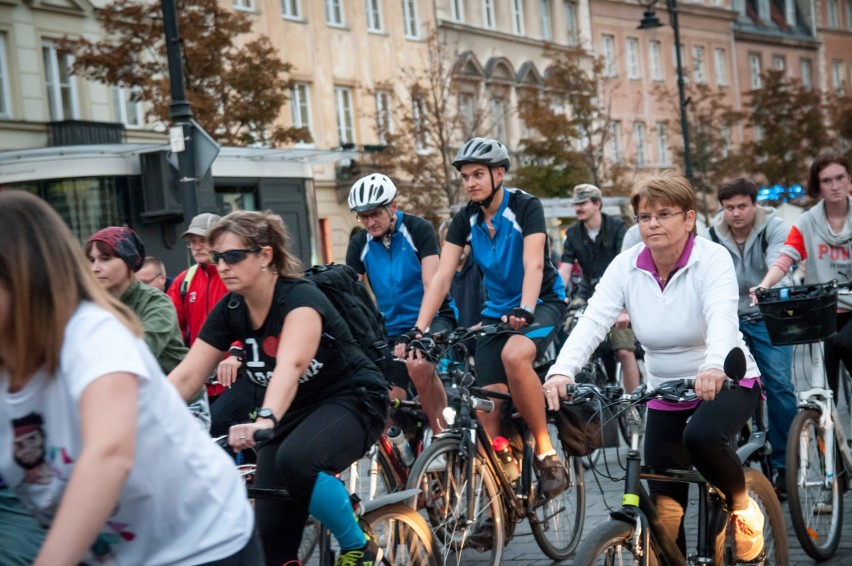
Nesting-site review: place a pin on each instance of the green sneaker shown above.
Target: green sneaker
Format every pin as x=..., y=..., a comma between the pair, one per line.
x=369, y=555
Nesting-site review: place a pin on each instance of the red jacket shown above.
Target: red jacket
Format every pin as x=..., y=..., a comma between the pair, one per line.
x=205, y=290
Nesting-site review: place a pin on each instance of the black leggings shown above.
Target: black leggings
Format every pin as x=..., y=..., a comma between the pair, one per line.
x=839, y=348
x=328, y=439
x=706, y=440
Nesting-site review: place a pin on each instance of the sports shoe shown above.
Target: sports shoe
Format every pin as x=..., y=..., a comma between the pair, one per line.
x=748, y=525
x=553, y=477
x=370, y=555
x=780, y=484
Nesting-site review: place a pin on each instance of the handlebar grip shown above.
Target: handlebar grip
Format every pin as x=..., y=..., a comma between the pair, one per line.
x=484, y=405
x=263, y=435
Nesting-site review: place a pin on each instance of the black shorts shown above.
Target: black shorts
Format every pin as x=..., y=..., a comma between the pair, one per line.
x=397, y=373
x=548, y=321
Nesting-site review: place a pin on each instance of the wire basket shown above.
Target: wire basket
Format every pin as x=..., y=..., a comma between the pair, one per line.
x=800, y=315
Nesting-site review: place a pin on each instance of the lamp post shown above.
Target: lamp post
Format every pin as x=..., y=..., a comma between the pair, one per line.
x=651, y=21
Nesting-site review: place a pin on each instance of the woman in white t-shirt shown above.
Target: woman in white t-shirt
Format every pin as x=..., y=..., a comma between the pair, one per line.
x=96, y=444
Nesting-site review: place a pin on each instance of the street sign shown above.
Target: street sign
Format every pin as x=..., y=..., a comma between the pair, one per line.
x=206, y=150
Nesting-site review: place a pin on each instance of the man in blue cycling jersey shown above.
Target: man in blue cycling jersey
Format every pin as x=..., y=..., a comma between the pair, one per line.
x=398, y=253
x=506, y=231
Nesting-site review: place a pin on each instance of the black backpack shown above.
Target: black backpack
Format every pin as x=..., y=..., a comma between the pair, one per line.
x=339, y=283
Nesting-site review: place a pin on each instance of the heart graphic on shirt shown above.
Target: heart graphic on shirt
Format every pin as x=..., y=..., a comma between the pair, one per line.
x=270, y=346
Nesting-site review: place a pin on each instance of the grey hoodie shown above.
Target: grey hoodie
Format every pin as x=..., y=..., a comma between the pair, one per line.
x=752, y=263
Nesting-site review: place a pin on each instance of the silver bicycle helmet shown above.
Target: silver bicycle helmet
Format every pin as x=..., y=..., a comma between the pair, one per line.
x=483, y=151
x=371, y=192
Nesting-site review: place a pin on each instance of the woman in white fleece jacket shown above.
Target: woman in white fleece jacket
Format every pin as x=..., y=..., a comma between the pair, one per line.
x=823, y=236
x=681, y=293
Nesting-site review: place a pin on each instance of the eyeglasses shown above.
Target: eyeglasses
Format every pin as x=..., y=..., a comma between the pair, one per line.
x=370, y=215
x=646, y=217
x=194, y=241
x=152, y=279
x=233, y=256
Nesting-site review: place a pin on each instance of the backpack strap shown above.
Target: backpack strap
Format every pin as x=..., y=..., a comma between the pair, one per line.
x=713, y=235
x=187, y=280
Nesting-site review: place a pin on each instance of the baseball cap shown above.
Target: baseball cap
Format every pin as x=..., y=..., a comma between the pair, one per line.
x=201, y=224
x=585, y=192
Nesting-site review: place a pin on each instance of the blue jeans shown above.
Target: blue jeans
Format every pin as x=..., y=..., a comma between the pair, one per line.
x=776, y=375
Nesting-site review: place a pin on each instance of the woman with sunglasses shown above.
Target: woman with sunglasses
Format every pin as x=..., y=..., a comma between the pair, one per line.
x=323, y=398
x=93, y=440
x=823, y=237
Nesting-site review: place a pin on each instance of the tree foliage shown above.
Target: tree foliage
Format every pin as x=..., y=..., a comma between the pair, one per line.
x=790, y=126
x=570, y=124
x=236, y=90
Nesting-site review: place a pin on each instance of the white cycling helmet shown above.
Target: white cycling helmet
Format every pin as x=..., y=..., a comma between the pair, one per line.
x=483, y=151
x=371, y=192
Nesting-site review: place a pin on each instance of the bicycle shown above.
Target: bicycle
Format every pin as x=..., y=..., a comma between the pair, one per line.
x=635, y=535
x=471, y=501
x=819, y=456
x=402, y=534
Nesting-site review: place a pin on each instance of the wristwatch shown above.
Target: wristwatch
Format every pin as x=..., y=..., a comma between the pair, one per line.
x=528, y=308
x=237, y=352
x=267, y=414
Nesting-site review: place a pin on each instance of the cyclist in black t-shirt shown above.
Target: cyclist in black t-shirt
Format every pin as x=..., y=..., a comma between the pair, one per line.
x=323, y=397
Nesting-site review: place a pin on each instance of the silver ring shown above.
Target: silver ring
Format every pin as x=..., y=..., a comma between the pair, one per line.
x=242, y=438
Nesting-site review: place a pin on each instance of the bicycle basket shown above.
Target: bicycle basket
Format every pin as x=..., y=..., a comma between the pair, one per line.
x=799, y=315
x=586, y=425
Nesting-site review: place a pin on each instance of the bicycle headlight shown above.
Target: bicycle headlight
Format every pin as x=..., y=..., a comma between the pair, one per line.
x=449, y=415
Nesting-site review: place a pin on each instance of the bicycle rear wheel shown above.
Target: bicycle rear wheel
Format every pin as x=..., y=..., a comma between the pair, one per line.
x=815, y=510
x=403, y=535
x=557, y=523
x=371, y=476
x=441, y=474
x=613, y=544
x=775, y=547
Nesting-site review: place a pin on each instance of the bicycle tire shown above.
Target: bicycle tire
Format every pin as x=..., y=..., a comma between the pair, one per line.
x=612, y=543
x=818, y=532
x=403, y=535
x=557, y=523
x=443, y=498
x=776, y=550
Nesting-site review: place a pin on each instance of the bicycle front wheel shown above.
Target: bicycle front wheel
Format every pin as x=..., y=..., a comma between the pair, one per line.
x=403, y=535
x=816, y=510
x=613, y=544
x=441, y=473
x=557, y=523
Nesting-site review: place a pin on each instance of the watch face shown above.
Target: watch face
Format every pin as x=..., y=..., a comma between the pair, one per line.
x=265, y=413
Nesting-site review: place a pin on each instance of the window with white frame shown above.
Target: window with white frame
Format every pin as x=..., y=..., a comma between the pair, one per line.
x=384, y=123
x=546, y=25
x=457, y=10
x=726, y=141
x=763, y=10
x=421, y=124
x=498, y=117
x=608, y=51
x=572, y=27
x=662, y=144
x=291, y=9
x=5, y=103
x=615, y=141
x=655, y=57
x=374, y=15
x=806, y=70
x=790, y=12
x=831, y=13
x=779, y=63
x=60, y=84
x=247, y=5
x=345, y=121
x=699, y=64
x=300, y=106
x=837, y=75
x=467, y=113
x=849, y=15
x=633, y=71
x=128, y=108
x=720, y=59
x=334, y=12
x=488, y=19
x=518, y=17
x=411, y=19
x=754, y=70
x=639, y=142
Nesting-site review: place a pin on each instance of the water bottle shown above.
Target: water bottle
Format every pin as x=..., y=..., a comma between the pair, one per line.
x=504, y=452
x=403, y=449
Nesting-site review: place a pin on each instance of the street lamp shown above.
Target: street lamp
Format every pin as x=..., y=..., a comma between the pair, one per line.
x=651, y=21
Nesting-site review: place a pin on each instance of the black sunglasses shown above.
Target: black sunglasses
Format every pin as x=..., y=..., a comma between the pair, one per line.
x=233, y=256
